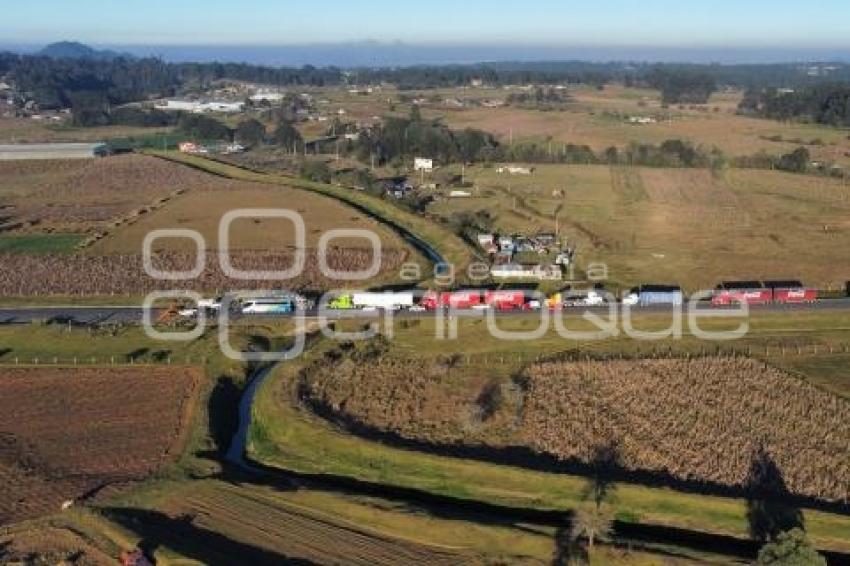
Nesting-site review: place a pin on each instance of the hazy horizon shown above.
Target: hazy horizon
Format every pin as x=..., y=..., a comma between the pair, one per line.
x=441, y=31
x=368, y=53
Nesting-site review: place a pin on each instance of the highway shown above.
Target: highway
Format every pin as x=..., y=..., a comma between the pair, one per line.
x=131, y=314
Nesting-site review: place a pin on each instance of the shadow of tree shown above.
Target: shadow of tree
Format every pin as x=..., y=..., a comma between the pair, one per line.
x=770, y=507
x=181, y=535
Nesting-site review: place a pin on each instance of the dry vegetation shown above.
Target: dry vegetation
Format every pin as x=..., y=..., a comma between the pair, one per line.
x=67, y=434
x=86, y=195
x=690, y=420
x=81, y=275
x=600, y=120
x=679, y=225
x=202, y=211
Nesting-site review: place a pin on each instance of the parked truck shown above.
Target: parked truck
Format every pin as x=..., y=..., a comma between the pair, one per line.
x=505, y=300
x=467, y=299
x=371, y=301
x=650, y=295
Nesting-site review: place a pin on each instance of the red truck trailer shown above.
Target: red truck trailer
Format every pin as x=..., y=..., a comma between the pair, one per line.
x=741, y=292
x=791, y=292
x=505, y=300
x=452, y=299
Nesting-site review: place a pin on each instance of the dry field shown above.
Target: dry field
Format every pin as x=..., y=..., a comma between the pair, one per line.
x=678, y=225
x=590, y=120
x=86, y=195
x=84, y=275
x=202, y=211
x=691, y=420
x=68, y=433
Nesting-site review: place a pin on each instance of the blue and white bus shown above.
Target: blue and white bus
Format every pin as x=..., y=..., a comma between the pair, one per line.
x=268, y=305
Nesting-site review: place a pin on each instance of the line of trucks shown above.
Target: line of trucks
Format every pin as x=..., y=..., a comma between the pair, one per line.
x=726, y=294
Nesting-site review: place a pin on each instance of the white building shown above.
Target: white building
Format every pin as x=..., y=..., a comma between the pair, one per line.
x=178, y=105
x=264, y=96
x=515, y=170
x=460, y=194
x=422, y=164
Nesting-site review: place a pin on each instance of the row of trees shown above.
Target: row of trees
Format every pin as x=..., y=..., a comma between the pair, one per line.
x=824, y=104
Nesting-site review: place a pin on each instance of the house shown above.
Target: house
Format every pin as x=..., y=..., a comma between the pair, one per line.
x=564, y=258
x=506, y=242
x=502, y=258
x=514, y=170
x=264, y=96
x=642, y=120
x=492, y=249
x=512, y=271
x=192, y=147
x=545, y=239
x=423, y=164
x=485, y=239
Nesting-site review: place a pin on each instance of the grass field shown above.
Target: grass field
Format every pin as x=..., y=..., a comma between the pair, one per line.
x=590, y=120
x=677, y=225
x=21, y=130
x=39, y=243
x=287, y=435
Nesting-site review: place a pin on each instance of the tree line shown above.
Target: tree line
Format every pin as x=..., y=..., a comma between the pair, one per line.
x=827, y=103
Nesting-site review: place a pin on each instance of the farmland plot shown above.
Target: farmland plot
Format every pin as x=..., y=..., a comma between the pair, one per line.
x=69, y=433
x=690, y=420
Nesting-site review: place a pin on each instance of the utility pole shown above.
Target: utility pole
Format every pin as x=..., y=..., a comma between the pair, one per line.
x=463, y=173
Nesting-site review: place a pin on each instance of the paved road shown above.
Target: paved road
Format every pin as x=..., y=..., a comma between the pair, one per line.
x=133, y=314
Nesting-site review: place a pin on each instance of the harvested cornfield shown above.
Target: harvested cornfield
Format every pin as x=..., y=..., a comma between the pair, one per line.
x=83, y=275
x=66, y=434
x=700, y=421
x=79, y=195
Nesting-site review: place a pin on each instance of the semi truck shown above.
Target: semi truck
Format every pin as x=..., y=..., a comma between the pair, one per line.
x=367, y=301
x=649, y=295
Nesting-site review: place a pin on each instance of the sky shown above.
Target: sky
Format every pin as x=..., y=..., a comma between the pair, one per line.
x=609, y=23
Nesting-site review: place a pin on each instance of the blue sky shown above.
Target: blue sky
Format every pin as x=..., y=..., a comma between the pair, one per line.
x=720, y=23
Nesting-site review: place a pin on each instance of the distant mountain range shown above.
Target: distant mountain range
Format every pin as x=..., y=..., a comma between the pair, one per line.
x=76, y=50
x=396, y=54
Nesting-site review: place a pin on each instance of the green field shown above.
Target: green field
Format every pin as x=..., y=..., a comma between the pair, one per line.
x=40, y=243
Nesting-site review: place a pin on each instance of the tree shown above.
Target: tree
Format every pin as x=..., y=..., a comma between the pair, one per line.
x=796, y=162
x=202, y=127
x=597, y=520
x=791, y=548
x=287, y=136
x=250, y=133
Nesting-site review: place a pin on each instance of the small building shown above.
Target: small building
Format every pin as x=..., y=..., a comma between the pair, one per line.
x=485, y=239
x=423, y=164
x=460, y=194
x=515, y=170
x=224, y=107
x=264, y=96
x=178, y=106
x=192, y=147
